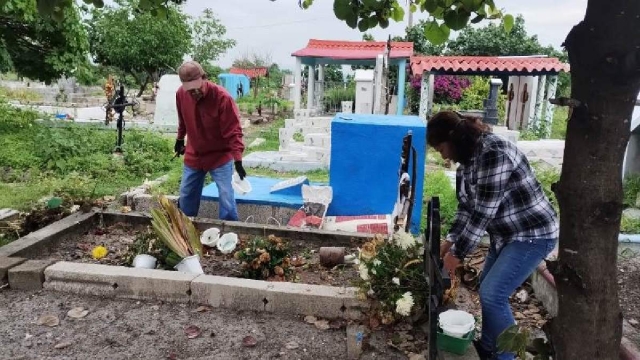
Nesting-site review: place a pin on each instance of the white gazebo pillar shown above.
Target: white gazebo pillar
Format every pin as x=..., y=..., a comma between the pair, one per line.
x=320, y=87
x=537, y=119
x=551, y=93
x=426, y=95
x=311, y=84
x=297, y=80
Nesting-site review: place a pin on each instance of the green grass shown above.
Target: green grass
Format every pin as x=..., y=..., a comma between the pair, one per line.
x=437, y=183
x=74, y=162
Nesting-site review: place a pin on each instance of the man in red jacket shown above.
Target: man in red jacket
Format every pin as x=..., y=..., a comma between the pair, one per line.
x=209, y=118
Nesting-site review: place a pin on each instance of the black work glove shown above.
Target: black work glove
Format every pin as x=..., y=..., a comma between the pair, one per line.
x=179, y=148
x=240, y=170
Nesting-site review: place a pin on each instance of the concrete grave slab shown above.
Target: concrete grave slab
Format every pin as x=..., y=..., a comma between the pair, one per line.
x=28, y=275
x=119, y=281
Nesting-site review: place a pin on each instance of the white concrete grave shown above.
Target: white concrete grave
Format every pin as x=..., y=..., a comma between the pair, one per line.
x=166, y=113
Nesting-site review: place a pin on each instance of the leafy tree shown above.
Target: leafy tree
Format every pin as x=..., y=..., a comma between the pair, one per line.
x=421, y=45
x=131, y=41
x=39, y=47
x=208, y=38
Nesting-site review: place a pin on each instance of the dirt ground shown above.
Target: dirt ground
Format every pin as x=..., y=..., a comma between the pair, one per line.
x=129, y=329
x=120, y=237
x=629, y=291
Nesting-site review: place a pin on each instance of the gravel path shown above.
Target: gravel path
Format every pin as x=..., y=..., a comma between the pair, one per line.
x=128, y=329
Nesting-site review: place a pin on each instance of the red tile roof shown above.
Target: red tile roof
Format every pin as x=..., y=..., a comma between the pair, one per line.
x=251, y=73
x=353, y=50
x=487, y=64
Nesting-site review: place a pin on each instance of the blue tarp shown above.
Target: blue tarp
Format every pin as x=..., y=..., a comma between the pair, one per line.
x=231, y=82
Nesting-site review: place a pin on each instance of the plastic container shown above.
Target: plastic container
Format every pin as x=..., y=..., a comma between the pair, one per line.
x=190, y=264
x=371, y=224
x=227, y=243
x=456, y=323
x=454, y=345
x=242, y=187
x=210, y=237
x=144, y=261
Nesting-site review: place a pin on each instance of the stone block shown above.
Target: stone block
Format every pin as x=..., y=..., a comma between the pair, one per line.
x=355, y=338
x=229, y=293
x=8, y=215
x=28, y=275
x=545, y=292
x=7, y=263
x=119, y=282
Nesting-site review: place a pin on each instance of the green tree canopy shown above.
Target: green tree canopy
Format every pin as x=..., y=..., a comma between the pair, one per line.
x=209, y=41
x=41, y=47
x=139, y=43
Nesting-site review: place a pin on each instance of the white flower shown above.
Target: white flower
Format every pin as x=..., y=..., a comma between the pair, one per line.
x=370, y=292
x=396, y=281
x=364, y=272
x=404, y=240
x=373, y=271
x=376, y=262
x=404, y=304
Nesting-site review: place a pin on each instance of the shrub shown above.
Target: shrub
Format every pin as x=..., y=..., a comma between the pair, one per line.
x=265, y=259
x=449, y=88
x=438, y=184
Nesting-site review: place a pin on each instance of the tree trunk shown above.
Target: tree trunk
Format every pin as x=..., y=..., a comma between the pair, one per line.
x=604, y=57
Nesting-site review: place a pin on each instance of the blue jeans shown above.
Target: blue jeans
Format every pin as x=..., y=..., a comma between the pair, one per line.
x=191, y=191
x=501, y=276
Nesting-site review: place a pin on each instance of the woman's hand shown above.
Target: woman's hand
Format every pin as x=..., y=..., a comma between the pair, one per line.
x=451, y=263
x=444, y=248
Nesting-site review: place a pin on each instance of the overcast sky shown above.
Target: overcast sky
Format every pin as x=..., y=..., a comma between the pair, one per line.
x=279, y=27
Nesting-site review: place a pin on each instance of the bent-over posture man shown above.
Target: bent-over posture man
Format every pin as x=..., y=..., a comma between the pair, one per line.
x=209, y=118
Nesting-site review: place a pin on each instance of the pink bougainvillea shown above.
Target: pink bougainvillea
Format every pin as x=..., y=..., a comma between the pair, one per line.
x=448, y=88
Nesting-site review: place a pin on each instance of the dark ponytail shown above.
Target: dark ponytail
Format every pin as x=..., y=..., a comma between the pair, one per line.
x=463, y=132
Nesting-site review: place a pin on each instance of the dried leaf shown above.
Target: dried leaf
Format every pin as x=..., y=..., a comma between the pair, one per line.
x=249, y=341
x=125, y=209
x=192, y=331
x=291, y=345
x=62, y=345
x=310, y=319
x=49, y=320
x=202, y=309
x=78, y=313
x=322, y=324
x=337, y=323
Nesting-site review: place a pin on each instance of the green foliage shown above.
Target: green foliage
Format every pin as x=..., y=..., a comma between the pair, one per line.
x=631, y=188
x=547, y=176
x=208, y=38
x=38, y=160
x=265, y=259
x=129, y=41
x=437, y=183
x=516, y=340
x=629, y=225
x=444, y=16
x=41, y=47
x=22, y=95
x=421, y=45
x=392, y=274
x=333, y=98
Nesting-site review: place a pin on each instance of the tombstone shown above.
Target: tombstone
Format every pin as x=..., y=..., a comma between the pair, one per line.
x=166, y=113
x=522, y=90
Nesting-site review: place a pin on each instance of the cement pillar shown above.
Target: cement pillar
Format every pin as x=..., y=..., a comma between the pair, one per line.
x=426, y=95
x=551, y=93
x=297, y=89
x=320, y=88
x=402, y=72
x=537, y=119
x=311, y=84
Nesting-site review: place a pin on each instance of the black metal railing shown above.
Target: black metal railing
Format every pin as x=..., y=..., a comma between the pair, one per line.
x=437, y=278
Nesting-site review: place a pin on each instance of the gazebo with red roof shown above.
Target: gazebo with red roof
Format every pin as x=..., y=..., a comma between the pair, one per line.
x=323, y=52
x=528, y=66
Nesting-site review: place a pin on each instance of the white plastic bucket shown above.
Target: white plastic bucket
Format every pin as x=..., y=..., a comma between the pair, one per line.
x=190, y=264
x=456, y=323
x=227, y=243
x=242, y=187
x=210, y=237
x=144, y=261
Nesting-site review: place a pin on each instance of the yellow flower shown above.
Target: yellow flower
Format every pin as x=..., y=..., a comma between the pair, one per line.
x=99, y=252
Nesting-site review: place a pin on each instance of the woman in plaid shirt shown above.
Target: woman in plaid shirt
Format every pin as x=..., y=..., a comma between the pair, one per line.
x=497, y=193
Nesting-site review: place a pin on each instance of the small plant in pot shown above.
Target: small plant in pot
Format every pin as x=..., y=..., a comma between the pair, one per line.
x=179, y=234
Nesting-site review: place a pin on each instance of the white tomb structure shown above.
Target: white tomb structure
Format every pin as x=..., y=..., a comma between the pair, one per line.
x=166, y=113
x=631, y=165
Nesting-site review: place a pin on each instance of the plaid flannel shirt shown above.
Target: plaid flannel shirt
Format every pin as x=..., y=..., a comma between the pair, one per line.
x=498, y=193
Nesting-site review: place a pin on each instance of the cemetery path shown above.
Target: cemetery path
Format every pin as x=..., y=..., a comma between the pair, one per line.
x=629, y=293
x=129, y=329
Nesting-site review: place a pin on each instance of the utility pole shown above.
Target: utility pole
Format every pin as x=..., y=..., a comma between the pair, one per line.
x=410, y=24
